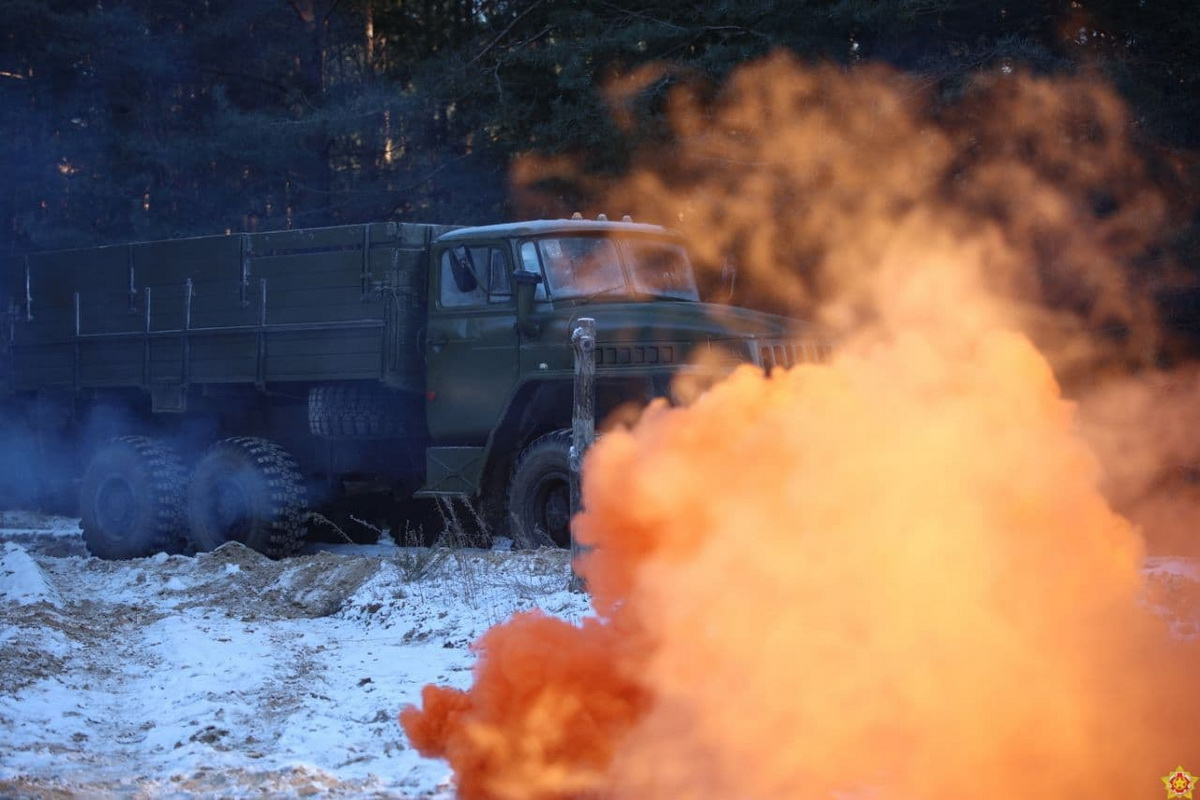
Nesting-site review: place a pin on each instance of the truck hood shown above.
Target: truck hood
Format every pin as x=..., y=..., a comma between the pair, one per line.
x=696, y=322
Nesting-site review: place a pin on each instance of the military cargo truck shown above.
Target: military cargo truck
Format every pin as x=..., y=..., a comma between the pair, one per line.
x=195, y=391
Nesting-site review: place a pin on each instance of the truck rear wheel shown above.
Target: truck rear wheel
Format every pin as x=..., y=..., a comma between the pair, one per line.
x=130, y=499
x=247, y=490
x=539, y=496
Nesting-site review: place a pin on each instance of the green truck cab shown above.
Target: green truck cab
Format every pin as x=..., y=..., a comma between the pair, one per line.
x=195, y=391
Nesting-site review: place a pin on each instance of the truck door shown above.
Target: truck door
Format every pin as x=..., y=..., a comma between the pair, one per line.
x=471, y=343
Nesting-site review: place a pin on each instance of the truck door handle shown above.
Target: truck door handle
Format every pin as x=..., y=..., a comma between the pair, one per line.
x=436, y=344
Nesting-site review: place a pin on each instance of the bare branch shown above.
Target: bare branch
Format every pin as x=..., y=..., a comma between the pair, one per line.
x=504, y=32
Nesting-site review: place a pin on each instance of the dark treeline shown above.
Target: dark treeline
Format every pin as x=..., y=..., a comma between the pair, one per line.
x=138, y=119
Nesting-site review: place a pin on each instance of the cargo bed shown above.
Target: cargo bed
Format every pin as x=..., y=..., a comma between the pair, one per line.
x=326, y=304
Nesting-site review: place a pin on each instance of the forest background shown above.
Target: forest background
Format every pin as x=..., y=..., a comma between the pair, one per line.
x=129, y=120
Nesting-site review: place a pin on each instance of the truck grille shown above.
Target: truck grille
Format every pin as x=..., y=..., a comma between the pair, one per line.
x=782, y=354
x=635, y=355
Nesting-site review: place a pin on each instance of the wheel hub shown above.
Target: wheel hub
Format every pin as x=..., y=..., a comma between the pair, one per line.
x=231, y=508
x=555, y=513
x=116, y=506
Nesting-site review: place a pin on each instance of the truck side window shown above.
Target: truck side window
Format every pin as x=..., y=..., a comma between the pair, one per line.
x=530, y=263
x=498, y=276
x=490, y=265
x=450, y=295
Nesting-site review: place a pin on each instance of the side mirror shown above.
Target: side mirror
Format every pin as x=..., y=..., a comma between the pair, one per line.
x=526, y=283
x=462, y=268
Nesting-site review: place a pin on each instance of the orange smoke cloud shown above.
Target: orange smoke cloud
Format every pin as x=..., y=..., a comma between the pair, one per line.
x=546, y=720
x=823, y=183
x=1146, y=430
x=804, y=175
x=893, y=575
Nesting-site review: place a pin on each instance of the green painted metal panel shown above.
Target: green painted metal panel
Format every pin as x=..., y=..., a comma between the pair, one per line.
x=335, y=303
x=229, y=358
x=43, y=366
x=333, y=268
x=452, y=470
x=166, y=361
x=323, y=238
x=110, y=363
x=343, y=355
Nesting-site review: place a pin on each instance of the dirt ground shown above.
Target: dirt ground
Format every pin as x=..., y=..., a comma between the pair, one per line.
x=229, y=675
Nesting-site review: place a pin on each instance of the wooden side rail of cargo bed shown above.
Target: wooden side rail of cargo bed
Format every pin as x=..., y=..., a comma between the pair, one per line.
x=346, y=303
x=185, y=334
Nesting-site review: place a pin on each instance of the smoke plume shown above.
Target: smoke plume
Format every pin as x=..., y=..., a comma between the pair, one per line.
x=898, y=574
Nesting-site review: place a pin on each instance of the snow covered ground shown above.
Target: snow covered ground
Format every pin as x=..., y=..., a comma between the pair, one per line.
x=230, y=675
x=227, y=674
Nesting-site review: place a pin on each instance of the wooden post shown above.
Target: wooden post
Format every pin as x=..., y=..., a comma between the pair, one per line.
x=583, y=425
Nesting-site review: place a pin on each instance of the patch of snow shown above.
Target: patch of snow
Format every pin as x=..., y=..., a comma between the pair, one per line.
x=1172, y=565
x=1172, y=591
x=228, y=674
x=21, y=580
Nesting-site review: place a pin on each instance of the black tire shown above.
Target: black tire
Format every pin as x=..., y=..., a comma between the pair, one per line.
x=131, y=500
x=358, y=410
x=539, y=496
x=247, y=490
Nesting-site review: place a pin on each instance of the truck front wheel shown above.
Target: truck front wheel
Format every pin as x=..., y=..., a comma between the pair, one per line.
x=248, y=490
x=539, y=497
x=130, y=499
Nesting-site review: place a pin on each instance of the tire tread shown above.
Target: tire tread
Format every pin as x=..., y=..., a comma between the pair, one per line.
x=287, y=499
x=554, y=442
x=165, y=479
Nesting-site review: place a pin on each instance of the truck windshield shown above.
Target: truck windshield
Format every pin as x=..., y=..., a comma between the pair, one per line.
x=660, y=269
x=592, y=266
